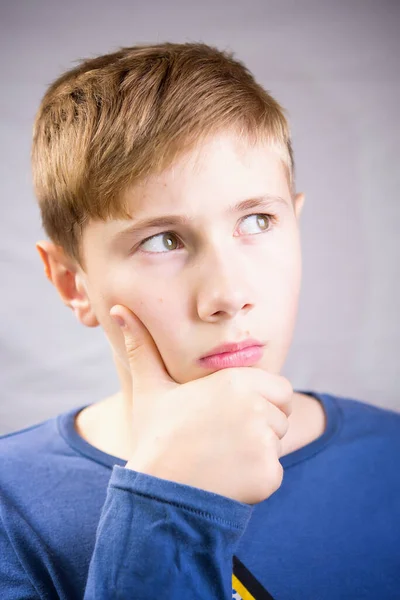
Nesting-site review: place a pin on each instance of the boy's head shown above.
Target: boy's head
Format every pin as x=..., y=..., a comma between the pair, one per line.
x=170, y=129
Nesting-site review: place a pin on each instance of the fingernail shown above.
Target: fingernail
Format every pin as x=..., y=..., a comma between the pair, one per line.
x=119, y=320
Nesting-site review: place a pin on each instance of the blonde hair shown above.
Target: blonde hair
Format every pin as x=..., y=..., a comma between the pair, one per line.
x=116, y=119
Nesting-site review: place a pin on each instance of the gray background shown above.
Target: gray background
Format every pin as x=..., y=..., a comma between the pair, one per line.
x=335, y=67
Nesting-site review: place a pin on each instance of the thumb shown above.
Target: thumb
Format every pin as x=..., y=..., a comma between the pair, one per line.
x=148, y=370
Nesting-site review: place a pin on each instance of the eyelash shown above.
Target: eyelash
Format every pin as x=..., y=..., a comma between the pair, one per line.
x=271, y=218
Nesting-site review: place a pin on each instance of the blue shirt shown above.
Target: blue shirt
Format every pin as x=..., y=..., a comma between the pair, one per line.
x=74, y=523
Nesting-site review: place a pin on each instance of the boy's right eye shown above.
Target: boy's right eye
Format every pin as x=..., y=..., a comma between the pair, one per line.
x=156, y=247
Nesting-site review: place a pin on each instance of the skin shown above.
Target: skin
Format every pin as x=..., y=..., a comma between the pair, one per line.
x=223, y=277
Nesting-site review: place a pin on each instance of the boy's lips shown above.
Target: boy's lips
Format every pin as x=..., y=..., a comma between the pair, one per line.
x=232, y=347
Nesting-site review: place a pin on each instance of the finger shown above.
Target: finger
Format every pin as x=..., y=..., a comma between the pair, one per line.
x=274, y=388
x=145, y=362
x=277, y=420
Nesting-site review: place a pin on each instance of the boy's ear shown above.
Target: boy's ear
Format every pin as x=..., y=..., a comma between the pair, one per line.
x=67, y=278
x=299, y=203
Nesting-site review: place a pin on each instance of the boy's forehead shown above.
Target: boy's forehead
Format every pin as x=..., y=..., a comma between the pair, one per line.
x=223, y=168
x=211, y=180
x=164, y=203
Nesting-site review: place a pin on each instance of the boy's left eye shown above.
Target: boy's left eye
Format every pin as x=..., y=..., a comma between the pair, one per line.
x=263, y=219
x=264, y=222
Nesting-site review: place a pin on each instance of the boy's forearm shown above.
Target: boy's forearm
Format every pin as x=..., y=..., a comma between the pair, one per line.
x=158, y=536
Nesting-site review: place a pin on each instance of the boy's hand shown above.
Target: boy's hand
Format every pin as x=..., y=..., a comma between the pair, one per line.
x=220, y=433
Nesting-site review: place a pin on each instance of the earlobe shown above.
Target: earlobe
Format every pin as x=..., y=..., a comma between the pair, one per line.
x=81, y=304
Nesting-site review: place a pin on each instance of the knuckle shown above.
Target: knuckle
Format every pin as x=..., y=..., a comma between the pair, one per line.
x=290, y=390
x=258, y=406
x=264, y=458
x=277, y=425
x=289, y=409
x=269, y=437
x=266, y=442
x=287, y=388
x=284, y=425
x=286, y=397
x=276, y=473
x=271, y=479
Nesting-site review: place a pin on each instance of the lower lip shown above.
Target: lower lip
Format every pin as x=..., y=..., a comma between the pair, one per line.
x=241, y=358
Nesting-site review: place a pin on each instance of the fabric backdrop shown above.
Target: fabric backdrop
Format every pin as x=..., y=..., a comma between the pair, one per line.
x=335, y=67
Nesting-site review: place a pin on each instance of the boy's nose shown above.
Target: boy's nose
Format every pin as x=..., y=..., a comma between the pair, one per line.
x=224, y=291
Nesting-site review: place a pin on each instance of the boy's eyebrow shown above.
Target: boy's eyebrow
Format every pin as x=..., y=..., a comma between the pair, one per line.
x=170, y=220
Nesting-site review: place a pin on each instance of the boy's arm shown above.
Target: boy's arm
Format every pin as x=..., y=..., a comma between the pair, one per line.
x=160, y=537
x=155, y=538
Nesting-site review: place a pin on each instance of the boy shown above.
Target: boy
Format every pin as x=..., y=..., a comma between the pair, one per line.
x=206, y=475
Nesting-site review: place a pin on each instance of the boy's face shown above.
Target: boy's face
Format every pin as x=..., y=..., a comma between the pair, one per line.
x=222, y=277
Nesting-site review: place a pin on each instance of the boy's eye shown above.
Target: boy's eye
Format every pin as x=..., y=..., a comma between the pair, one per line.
x=155, y=244
x=262, y=221
x=168, y=240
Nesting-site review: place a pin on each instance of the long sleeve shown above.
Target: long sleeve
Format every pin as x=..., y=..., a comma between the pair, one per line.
x=158, y=538
x=14, y=582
